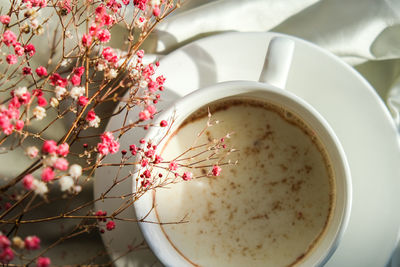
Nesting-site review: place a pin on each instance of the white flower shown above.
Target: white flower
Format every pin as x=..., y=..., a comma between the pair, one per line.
x=66, y=182
x=100, y=66
x=39, y=30
x=49, y=160
x=60, y=92
x=40, y=187
x=135, y=72
x=39, y=112
x=95, y=123
x=143, y=84
x=18, y=242
x=75, y=170
x=54, y=102
x=20, y=91
x=31, y=151
x=77, y=91
x=111, y=74
x=66, y=62
x=34, y=23
x=77, y=188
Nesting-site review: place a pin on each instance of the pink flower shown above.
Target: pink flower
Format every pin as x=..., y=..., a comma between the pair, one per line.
x=61, y=164
x=9, y=129
x=47, y=174
x=56, y=79
x=163, y=123
x=42, y=101
x=76, y=80
x=151, y=109
x=113, y=147
x=107, y=137
x=86, y=40
x=100, y=10
x=133, y=148
x=187, y=176
x=216, y=170
x=173, y=166
x=5, y=19
x=149, y=153
x=6, y=255
x=102, y=148
x=157, y=159
x=108, y=54
x=83, y=100
x=19, y=124
x=140, y=53
x=141, y=4
x=79, y=71
x=144, y=162
x=9, y=38
x=41, y=71
x=110, y=225
x=43, y=262
x=91, y=115
x=108, y=144
x=93, y=29
x=49, y=146
x=32, y=242
x=107, y=19
x=144, y=115
x=101, y=213
x=26, y=71
x=11, y=59
x=30, y=49
x=27, y=182
x=19, y=50
x=104, y=36
x=4, y=242
x=147, y=174
x=156, y=11
x=160, y=80
x=63, y=149
x=37, y=92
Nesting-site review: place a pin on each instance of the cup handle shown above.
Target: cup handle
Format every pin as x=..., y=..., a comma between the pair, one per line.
x=277, y=62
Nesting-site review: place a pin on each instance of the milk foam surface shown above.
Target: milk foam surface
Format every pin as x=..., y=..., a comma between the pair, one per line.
x=269, y=210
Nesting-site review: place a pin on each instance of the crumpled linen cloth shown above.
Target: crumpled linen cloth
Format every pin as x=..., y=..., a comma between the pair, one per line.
x=364, y=33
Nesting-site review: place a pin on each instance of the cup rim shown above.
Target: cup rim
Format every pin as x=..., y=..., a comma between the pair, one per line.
x=230, y=89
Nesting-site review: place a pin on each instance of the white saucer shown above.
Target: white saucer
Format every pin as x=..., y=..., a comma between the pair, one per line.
x=351, y=106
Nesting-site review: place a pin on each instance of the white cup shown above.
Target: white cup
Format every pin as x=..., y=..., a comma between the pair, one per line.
x=271, y=89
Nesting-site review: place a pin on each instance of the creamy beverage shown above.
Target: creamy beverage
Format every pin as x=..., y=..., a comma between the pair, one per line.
x=270, y=209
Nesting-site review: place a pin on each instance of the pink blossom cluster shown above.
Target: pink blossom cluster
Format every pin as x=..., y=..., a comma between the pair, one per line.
x=109, y=55
x=9, y=38
x=108, y=144
x=6, y=253
x=54, y=159
x=35, y=3
x=147, y=113
x=99, y=28
x=77, y=75
x=30, y=243
x=110, y=225
x=10, y=116
x=141, y=4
